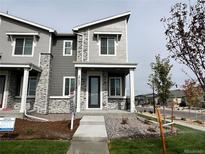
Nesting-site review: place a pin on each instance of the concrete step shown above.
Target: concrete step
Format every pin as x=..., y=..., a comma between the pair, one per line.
x=92, y=120
x=11, y=114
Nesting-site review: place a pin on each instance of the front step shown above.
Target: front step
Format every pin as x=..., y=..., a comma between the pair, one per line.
x=11, y=114
x=92, y=120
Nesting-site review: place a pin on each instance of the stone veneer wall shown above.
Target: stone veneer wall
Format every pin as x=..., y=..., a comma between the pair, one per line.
x=83, y=97
x=117, y=104
x=85, y=46
x=82, y=47
x=16, y=104
x=59, y=105
x=105, y=90
x=42, y=90
x=11, y=89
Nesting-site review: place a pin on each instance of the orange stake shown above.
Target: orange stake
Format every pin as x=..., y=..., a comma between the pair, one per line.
x=161, y=131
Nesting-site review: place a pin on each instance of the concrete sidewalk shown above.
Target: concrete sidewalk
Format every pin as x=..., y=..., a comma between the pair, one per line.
x=90, y=137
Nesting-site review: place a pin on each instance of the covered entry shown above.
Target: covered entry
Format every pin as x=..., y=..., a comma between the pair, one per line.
x=102, y=86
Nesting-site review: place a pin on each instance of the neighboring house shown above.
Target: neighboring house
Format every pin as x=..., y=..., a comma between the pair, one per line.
x=176, y=96
x=145, y=99
x=41, y=69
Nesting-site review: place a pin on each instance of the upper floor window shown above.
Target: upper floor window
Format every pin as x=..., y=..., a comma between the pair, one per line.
x=67, y=47
x=115, y=86
x=23, y=46
x=68, y=86
x=107, y=45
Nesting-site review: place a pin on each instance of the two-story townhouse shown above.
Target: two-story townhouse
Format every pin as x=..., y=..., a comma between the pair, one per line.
x=102, y=64
x=41, y=69
x=25, y=55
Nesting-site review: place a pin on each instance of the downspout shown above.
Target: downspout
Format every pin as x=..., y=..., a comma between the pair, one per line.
x=82, y=43
x=30, y=116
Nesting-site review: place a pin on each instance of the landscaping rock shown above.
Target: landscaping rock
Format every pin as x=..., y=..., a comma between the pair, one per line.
x=117, y=128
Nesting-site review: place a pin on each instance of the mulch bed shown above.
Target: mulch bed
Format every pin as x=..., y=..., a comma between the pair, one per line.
x=27, y=129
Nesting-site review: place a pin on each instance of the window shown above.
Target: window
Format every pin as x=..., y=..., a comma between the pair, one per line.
x=32, y=86
x=32, y=83
x=67, y=47
x=107, y=46
x=115, y=86
x=68, y=86
x=23, y=46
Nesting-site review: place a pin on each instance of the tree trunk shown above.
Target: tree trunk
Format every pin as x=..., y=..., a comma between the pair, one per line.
x=153, y=99
x=164, y=113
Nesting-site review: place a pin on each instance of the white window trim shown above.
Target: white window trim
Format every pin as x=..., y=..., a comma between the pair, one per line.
x=64, y=42
x=99, y=44
x=110, y=87
x=64, y=78
x=14, y=46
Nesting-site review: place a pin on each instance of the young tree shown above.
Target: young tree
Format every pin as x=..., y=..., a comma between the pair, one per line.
x=161, y=78
x=185, y=35
x=193, y=92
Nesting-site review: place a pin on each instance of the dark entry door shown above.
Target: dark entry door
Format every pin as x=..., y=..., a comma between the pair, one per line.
x=94, y=92
x=2, y=84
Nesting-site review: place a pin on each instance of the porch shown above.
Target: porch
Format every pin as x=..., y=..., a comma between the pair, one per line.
x=102, y=87
x=17, y=88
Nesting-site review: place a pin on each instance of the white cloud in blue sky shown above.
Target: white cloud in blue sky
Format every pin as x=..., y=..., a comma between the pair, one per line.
x=145, y=31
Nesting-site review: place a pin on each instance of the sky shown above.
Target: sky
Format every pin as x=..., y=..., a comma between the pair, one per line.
x=145, y=31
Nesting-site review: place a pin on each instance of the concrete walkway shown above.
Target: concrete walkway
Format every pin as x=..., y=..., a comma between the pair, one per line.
x=90, y=137
x=196, y=127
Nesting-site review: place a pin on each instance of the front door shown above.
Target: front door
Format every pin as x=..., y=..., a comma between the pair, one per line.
x=94, y=92
x=2, y=85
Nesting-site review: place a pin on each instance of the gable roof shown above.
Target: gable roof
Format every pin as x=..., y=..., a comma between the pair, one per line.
x=27, y=22
x=125, y=14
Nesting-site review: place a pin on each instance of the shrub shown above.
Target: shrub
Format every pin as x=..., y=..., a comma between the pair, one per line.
x=124, y=121
x=182, y=104
x=29, y=131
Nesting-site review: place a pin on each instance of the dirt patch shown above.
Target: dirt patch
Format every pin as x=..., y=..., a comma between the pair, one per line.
x=27, y=129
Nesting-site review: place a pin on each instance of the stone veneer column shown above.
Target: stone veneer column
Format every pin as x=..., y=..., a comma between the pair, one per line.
x=105, y=90
x=79, y=47
x=85, y=46
x=42, y=89
x=82, y=46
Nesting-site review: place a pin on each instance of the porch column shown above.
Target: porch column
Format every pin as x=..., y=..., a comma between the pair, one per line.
x=132, y=91
x=78, y=89
x=24, y=90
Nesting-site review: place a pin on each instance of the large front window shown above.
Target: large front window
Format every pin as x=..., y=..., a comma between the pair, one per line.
x=115, y=86
x=69, y=86
x=23, y=46
x=107, y=46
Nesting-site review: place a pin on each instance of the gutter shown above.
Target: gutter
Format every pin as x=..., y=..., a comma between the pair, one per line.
x=30, y=116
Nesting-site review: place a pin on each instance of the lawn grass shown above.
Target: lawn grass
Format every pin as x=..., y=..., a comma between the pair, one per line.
x=33, y=146
x=187, y=141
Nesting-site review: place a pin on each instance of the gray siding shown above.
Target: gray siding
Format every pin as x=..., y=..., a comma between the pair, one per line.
x=10, y=25
x=61, y=65
x=117, y=25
